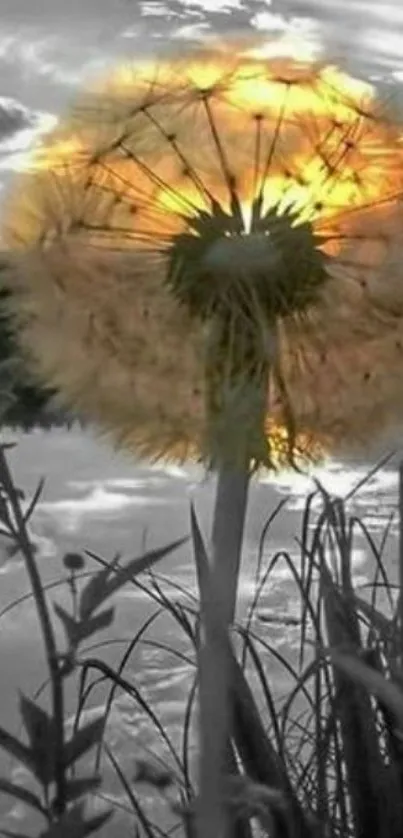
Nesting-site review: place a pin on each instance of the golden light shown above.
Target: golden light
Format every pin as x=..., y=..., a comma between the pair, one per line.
x=330, y=178
x=56, y=154
x=146, y=154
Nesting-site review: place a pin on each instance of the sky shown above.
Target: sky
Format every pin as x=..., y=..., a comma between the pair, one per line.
x=48, y=48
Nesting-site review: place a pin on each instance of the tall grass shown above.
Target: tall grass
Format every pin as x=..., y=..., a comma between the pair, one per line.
x=323, y=758
x=47, y=754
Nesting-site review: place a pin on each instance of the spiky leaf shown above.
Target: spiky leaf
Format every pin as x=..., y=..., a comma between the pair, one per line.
x=101, y=621
x=16, y=749
x=80, y=786
x=70, y=625
x=79, y=630
x=73, y=824
x=83, y=740
x=41, y=733
x=21, y=794
x=109, y=580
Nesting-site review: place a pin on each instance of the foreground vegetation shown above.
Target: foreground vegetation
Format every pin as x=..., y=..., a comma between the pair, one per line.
x=326, y=759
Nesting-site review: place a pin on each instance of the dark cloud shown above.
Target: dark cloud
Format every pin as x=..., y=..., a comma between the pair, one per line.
x=14, y=118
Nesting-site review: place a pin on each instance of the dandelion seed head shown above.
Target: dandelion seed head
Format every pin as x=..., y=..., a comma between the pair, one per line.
x=205, y=258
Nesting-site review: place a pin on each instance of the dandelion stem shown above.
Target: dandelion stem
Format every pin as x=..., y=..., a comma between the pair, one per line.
x=227, y=536
x=214, y=661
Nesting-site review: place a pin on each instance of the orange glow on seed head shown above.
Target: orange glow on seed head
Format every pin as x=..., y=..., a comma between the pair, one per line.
x=319, y=179
x=129, y=161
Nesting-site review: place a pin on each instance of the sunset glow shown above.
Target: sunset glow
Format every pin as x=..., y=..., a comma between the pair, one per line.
x=294, y=166
x=319, y=181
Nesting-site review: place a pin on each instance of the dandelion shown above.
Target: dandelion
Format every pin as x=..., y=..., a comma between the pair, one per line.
x=209, y=258
x=205, y=259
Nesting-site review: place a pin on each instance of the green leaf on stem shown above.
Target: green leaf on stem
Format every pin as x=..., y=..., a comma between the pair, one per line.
x=151, y=774
x=83, y=740
x=111, y=579
x=16, y=749
x=21, y=794
x=34, y=500
x=74, y=825
x=41, y=733
x=76, y=788
x=70, y=625
x=79, y=630
x=101, y=621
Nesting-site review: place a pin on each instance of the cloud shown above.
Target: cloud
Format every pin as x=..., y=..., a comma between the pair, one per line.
x=20, y=128
x=14, y=117
x=155, y=9
x=388, y=15
x=191, y=31
x=51, y=57
x=362, y=35
x=269, y=22
x=215, y=5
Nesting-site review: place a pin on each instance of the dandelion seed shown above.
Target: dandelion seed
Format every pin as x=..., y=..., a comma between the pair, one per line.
x=213, y=237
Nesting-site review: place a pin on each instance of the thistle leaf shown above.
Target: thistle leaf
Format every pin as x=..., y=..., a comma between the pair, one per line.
x=93, y=594
x=101, y=621
x=81, y=785
x=96, y=822
x=154, y=775
x=16, y=749
x=70, y=625
x=21, y=794
x=101, y=586
x=34, y=500
x=77, y=631
x=41, y=733
x=74, y=825
x=83, y=740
